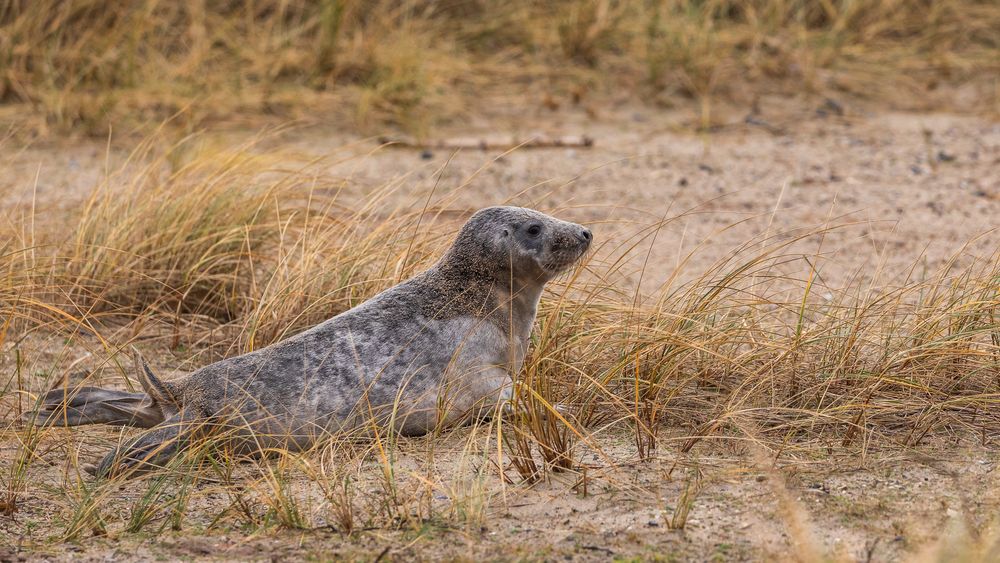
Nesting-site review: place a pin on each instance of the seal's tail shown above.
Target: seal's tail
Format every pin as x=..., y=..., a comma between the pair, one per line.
x=93, y=405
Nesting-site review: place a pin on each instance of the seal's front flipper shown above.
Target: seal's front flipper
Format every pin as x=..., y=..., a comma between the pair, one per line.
x=93, y=405
x=150, y=450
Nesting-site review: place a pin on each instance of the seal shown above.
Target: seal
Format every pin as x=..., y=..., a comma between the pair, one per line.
x=436, y=350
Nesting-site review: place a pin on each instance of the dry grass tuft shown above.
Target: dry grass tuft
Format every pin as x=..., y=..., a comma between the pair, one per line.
x=84, y=64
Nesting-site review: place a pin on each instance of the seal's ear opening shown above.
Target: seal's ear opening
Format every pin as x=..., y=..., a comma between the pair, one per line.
x=506, y=233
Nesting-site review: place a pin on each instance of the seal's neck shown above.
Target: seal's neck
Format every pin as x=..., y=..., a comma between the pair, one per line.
x=511, y=301
x=508, y=304
x=518, y=305
x=467, y=261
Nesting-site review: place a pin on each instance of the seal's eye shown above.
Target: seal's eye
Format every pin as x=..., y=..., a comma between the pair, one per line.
x=535, y=230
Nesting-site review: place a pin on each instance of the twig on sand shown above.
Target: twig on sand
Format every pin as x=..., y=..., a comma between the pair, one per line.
x=488, y=143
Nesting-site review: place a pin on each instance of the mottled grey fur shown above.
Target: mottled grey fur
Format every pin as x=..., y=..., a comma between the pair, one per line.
x=432, y=351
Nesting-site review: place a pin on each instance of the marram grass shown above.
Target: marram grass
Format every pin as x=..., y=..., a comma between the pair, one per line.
x=84, y=64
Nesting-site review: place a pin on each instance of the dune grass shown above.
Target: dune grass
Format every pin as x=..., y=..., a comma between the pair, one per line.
x=754, y=352
x=84, y=64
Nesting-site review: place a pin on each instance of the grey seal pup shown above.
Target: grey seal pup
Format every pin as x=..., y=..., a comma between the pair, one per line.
x=432, y=351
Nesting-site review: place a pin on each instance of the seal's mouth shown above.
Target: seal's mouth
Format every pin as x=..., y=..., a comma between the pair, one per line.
x=560, y=260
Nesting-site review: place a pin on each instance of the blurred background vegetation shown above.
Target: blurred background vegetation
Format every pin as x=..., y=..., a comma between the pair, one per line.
x=414, y=64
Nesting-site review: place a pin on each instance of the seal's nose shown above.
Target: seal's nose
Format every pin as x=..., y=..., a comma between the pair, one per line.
x=585, y=235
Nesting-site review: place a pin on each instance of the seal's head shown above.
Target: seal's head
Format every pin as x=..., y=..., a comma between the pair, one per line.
x=514, y=242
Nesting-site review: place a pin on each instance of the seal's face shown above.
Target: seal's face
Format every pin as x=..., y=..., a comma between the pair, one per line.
x=533, y=245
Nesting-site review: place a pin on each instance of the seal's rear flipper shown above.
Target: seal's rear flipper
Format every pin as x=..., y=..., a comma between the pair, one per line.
x=151, y=450
x=93, y=405
x=160, y=393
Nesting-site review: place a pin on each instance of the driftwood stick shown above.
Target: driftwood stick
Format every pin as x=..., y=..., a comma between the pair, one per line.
x=533, y=142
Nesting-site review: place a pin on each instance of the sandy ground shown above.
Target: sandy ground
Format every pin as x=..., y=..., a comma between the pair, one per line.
x=883, y=508
x=911, y=189
x=902, y=188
